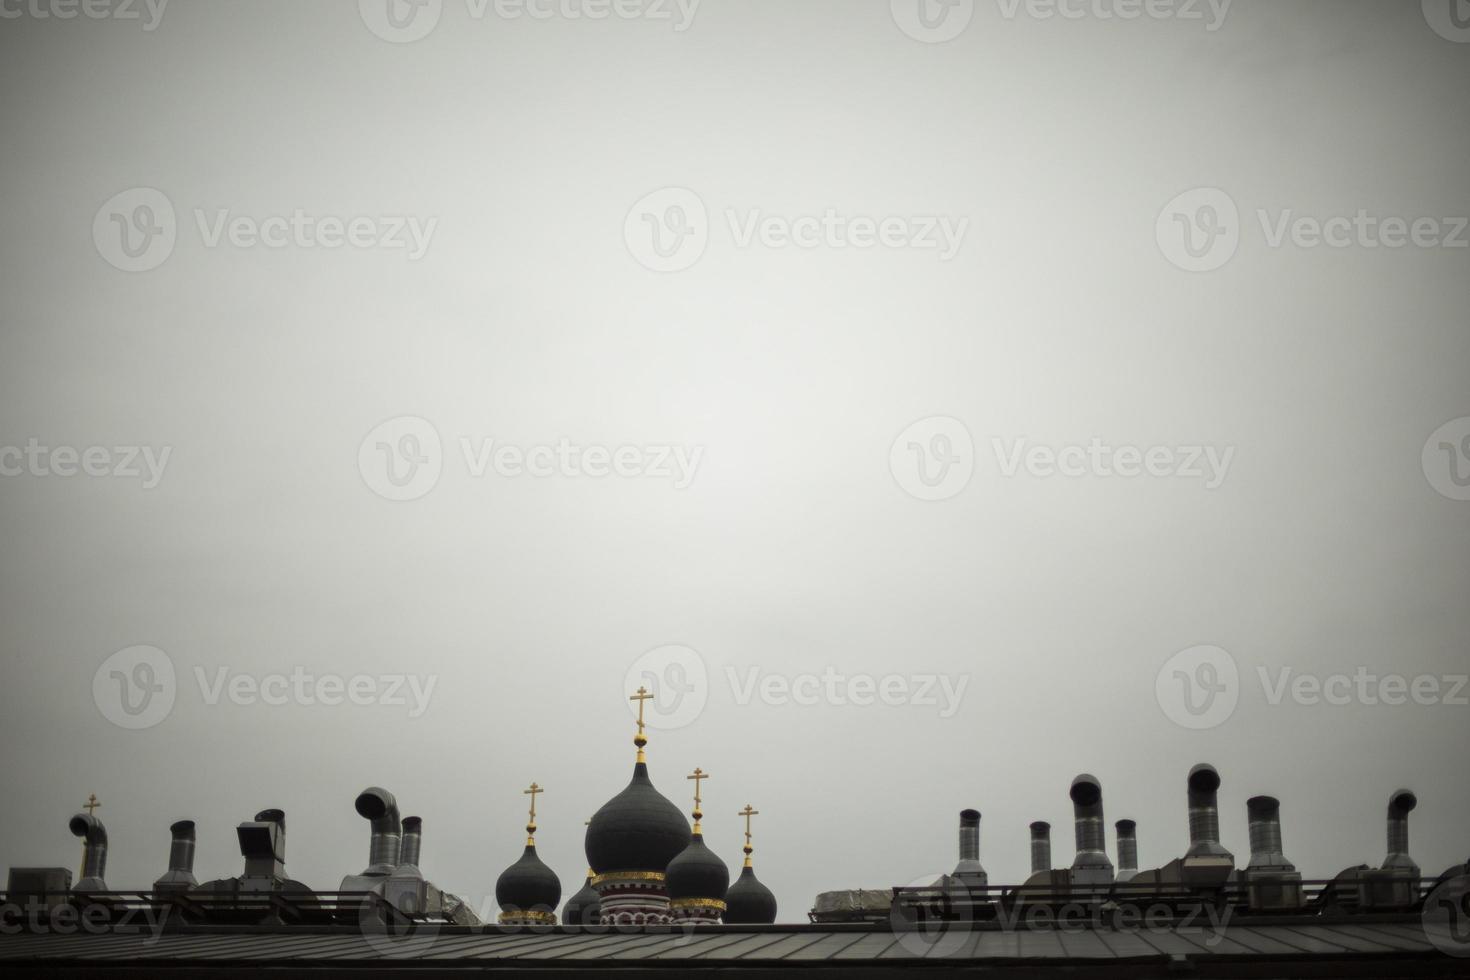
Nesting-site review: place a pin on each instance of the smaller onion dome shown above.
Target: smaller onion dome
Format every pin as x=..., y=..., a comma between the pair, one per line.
x=748, y=901
x=528, y=891
x=583, y=908
x=697, y=872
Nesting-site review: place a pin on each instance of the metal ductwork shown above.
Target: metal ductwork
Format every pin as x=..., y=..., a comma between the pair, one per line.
x=1265, y=831
x=180, y=874
x=1040, y=846
x=378, y=806
x=969, y=867
x=1091, y=866
x=1127, y=849
x=1207, y=863
x=408, y=852
x=1272, y=882
x=263, y=845
x=1399, y=806
x=94, y=855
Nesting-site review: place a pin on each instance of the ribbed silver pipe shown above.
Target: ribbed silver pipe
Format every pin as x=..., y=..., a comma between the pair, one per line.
x=1127, y=848
x=1040, y=846
x=969, y=863
x=94, y=850
x=379, y=806
x=1399, y=805
x=413, y=836
x=1265, y=829
x=1204, y=813
x=181, y=849
x=1087, y=815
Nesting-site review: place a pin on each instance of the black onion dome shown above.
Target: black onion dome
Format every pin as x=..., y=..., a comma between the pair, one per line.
x=698, y=872
x=748, y=901
x=528, y=885
x=583, y=908
x=637, y=830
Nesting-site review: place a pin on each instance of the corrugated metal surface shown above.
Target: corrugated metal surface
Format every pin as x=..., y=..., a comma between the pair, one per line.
x=794, y=944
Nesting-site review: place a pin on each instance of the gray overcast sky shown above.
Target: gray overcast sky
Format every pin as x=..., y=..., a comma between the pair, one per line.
x=522, y=150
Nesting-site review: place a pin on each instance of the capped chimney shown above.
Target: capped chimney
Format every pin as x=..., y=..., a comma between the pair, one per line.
x=1127, y=849
x=263, y=845
x=180, y=874
x=1272, y=882
x=1399, y=805
x=1091, y=866
x=378, y=806
x=408, y=852
x=969, y=867
x=94, y=852
x=1265, y=830
x=1207, y=863
x=1040, y=846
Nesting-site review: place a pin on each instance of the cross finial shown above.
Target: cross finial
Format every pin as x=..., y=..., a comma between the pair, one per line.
x=91, y=803
x=531, y=824
x=640, y=739
x=697, y=775
x=747, y=813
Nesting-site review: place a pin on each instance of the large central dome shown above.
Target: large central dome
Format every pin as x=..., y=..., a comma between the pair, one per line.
x=637, y=830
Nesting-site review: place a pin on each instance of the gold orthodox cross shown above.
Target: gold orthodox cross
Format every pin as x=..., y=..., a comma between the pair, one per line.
x=747, y=813
x=90, y=806
x=531, y=825
x=697, y=775
x=91, y=803
x=640, y=739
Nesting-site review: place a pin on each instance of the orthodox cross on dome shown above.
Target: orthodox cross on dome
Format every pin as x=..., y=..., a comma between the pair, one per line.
x=747, y=813
x=697, y=775
x=91, y=805
x=531, y=824
x=640, y=739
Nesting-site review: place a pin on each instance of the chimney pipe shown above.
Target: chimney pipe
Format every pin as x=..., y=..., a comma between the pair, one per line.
x=378, y=806
x=263, y=845
x=1265, y=829
x=1091, y=865
x=1399, y=805
x=1204, y=814
x=94, y=859
x=1040, y=846
x=180, y=872
x=969, y=864
x=1127, y=849
x=408, y=852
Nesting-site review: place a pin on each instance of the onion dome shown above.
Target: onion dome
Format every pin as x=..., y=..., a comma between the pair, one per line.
x=697, y=878
x=639, y=829
x=528, y=891
x=583, y=908
x=748, y=901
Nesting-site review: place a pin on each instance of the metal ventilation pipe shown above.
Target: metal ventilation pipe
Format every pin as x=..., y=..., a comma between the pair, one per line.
x=1399, y=805
x=1204, y=813
x=408, y=853
x=1040, y=846
x=263, y=844
x=1265, y=829
x=1087, y=814
x=180, y=872
x=378, y=806
x=1127, y=849
x=94, y=855
x=969, y=844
